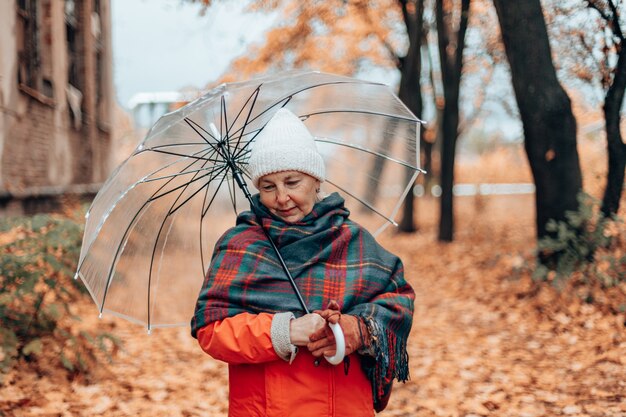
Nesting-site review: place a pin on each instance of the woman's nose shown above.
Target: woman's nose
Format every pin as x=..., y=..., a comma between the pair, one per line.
x=281, y=196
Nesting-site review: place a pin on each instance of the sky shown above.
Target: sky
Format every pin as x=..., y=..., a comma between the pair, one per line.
x=166, y=45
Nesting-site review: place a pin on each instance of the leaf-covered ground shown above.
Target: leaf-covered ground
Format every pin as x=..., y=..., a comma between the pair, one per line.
x=485, y=341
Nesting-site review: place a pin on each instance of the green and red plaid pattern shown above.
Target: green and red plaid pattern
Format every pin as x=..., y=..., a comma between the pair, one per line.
x=331, y=258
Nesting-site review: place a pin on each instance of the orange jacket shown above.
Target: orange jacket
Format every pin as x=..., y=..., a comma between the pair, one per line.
x=261, y=384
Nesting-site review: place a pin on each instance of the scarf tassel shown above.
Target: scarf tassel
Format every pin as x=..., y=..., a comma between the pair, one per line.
x=391, y=361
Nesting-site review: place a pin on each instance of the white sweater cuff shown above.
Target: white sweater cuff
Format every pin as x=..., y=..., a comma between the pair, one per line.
x=281, y=338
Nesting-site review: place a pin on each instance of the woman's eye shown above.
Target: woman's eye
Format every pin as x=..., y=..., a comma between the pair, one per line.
x=292, y=183
x=267, y=188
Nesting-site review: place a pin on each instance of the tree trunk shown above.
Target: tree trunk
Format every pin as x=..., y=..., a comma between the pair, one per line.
x=410, y=93
x=451, y=58
x=545, y=109
x=615, y=145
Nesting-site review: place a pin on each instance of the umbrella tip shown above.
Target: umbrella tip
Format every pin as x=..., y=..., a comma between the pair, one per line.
x=100, y=315
x=149, y=331
x=76, y=276
x=217, y=135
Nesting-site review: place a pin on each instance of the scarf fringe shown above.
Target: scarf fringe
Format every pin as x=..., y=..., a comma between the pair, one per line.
x=391, y=361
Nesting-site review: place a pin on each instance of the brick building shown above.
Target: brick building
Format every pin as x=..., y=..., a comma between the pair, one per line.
x=56, y=99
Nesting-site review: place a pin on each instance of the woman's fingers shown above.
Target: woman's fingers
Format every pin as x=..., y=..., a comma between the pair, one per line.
x=334, y=317
x=328, y=351
x=303, y=327
x=323, y=338
x=331, y=316
x=325, y=346
x=322, y=333
x=318, y=322
x=329, y=340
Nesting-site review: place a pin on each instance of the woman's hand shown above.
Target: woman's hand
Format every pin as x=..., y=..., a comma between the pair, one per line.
x=354, y=330
x=302, y=328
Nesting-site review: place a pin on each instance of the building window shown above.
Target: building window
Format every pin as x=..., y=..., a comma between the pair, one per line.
x=99, y=36
x=71, y=35
x=34, y=40
x=74, y=62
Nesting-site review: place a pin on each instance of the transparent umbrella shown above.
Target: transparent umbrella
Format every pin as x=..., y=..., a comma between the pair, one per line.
x=151, y=229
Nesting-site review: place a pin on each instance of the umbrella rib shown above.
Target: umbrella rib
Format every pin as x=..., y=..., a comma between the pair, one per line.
x=190, y=122
x=120, y=245
x=117, y=252
x=206, y=193
x=182, y=155
x=254, y=94
x=246, y=123
x=360, y=148
x=245, y=148
x=216, y=168
x=154, y=248
x=205, y=210
x=185, y=172
x=395, y=116
x=132, y=186
x=178, y=174
x=290, y=96
x=231, y=192
x=172, y=145
x=286, y=100
x=224, y=141
x=204, y=152
x=306, y=116
x=366, y=204
x=172, y=210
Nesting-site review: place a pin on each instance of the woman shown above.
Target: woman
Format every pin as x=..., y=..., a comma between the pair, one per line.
x=248, y=316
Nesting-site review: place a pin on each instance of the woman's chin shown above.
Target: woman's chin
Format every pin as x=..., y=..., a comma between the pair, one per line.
x=291, y=219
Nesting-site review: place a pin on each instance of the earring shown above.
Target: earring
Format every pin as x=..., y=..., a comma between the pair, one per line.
x=317, y=190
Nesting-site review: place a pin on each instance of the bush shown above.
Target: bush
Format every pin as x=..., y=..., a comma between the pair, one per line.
x=589, y=246
x=38, y=257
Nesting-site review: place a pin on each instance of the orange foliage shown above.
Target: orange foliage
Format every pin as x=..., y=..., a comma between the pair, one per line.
x=486, y=340
x=331, y=36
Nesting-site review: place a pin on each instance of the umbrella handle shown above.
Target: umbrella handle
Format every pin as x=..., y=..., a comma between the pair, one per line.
x=341, y=345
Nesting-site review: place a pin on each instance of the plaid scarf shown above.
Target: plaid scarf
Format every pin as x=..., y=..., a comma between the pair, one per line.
x=331, y=258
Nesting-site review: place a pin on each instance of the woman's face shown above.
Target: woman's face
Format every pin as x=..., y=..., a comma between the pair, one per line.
x=289, y=195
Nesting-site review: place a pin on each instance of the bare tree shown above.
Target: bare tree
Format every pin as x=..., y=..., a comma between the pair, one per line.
x=545, y=110
x=451, y=45
x=593, y=31
x=615, y=84
x=410, y=88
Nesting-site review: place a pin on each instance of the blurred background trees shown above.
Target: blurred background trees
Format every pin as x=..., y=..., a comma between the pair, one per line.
x=353, y=37
x=450, y=56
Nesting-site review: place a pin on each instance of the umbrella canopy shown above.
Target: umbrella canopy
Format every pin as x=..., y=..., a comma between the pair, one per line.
x=151, y=229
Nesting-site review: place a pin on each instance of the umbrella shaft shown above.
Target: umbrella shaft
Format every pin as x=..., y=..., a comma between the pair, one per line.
x=284, y=265
x=242, y=184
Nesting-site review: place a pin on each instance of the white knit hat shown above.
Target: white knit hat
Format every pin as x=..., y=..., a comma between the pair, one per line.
x=285, y=144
